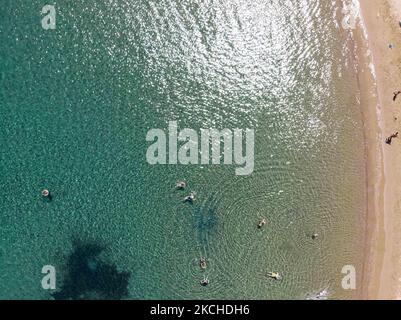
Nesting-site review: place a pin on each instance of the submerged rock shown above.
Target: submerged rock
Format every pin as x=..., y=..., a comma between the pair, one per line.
x=87, y=277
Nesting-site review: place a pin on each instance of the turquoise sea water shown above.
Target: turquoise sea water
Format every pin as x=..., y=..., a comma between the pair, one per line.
x=76, y=104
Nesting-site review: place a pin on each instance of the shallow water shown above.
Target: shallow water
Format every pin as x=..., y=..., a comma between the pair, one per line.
x=76, y=104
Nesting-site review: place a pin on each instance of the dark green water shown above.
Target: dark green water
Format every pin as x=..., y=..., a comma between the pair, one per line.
x=76, y=104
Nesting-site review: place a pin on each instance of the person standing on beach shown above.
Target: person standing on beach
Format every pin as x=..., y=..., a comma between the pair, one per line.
x=389, y=140
x=396, y=95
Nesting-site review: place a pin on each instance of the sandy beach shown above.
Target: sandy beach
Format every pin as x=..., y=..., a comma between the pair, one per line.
x=381, y=55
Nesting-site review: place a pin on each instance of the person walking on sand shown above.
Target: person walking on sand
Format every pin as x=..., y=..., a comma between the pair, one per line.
x=396, y=95
x=389, y=140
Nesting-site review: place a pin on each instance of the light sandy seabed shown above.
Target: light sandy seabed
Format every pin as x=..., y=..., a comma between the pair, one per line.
x=381, y=276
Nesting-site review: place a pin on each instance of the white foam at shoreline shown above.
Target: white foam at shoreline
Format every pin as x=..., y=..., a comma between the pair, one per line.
x=362, y=25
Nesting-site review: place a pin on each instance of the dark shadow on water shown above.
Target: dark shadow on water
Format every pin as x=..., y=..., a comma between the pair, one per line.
x=207, y=221
x=87, y=277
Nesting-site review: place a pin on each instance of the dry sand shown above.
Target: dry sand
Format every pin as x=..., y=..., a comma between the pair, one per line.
x=381, y=276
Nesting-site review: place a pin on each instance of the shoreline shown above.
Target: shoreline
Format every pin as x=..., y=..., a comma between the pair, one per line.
x=380, y=27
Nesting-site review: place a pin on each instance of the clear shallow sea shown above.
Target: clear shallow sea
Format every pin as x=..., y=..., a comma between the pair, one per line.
x=76, y=104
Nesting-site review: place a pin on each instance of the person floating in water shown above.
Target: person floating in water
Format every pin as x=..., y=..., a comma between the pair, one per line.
x=181, y=185
x=203, y=263
x=190, y=198
x=389, y=140
x=46, y=194
x=396, y=94
x=262, y=223
x=205, y=282
x=274, y=275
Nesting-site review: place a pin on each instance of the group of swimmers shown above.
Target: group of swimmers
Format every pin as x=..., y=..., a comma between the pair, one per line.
x=276, y=275
x=181, y=185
